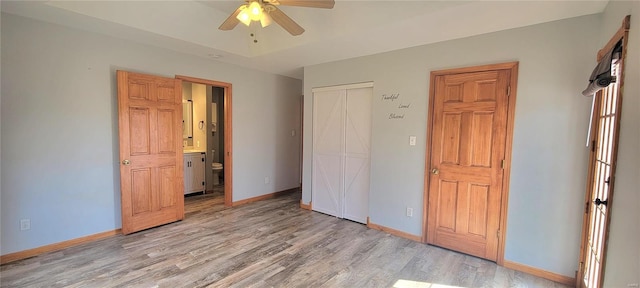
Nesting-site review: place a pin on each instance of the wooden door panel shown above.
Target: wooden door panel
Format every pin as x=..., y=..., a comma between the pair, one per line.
x=453, y=93
x=167, y=187
x=482, y=135
x=166, y=131
x=140, y=128
x=462, y=212
x=150, y=120
x=446, y=207
x=139, y=89
x=478, y=210
x=465, y=141
x=468, y=144
x=465, y=245
x=166, y=91
x=486, y=90
x=463, y=219
x=450, y=143
x=141, y=190
x=466, y=106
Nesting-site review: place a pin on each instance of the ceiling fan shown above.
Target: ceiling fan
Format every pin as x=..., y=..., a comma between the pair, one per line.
x=265, y=10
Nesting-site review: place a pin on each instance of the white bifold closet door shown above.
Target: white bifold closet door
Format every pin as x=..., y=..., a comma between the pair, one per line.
x=341, y=151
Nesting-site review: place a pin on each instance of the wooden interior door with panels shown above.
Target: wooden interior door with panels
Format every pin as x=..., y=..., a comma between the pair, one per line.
x=150, y=134
x=468, y=158
x=341, y=150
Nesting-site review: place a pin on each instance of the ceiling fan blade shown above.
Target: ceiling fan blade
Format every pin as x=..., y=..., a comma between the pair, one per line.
x=287, y=23
x=231, y=21
x=327, y=4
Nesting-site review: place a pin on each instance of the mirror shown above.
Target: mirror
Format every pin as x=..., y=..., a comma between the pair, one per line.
x=187, y=119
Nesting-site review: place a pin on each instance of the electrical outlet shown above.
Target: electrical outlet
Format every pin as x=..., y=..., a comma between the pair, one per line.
x=412, y=140
x=25, y=224
x=266, y=180
x=198, y=143
x=409, y=212
x=293, y=132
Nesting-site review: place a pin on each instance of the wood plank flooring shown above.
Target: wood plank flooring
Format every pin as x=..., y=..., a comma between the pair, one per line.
x=271, y=243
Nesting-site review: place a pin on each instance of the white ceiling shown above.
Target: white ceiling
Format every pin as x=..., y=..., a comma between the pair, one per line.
x=350, y=29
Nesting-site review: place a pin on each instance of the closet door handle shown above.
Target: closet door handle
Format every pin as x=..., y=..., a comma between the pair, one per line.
x=126, y=162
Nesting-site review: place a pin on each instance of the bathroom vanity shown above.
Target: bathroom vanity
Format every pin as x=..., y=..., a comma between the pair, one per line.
x=194, y=172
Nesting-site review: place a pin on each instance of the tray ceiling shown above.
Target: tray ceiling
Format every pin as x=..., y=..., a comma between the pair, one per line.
x=350, y=29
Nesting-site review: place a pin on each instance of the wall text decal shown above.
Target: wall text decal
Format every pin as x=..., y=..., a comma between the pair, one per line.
x=396, y=115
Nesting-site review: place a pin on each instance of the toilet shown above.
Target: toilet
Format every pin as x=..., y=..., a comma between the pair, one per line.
x=217, y=168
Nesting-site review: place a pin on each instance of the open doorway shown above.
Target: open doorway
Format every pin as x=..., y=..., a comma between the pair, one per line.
x=212, y=134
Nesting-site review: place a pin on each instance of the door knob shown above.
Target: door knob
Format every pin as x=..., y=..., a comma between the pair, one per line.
x=435, y=171
x=126, y=162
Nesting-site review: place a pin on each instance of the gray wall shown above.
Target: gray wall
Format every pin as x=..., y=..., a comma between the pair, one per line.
x=549, y=158
x=60, y=137
x=623, y=254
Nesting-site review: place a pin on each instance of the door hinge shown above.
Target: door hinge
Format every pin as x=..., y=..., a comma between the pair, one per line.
x=508, y=90
x=202, y=159
x=502, y=164
x=586, y=208
x=498, y=233
x=593, y=145
x=202, y=183
x=580, y=265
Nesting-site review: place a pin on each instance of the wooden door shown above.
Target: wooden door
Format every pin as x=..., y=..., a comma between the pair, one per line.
x=602, y=170
x=600, y=187
x=357, y=154
x=468, y=145
x=328, y=152
x=150, y=130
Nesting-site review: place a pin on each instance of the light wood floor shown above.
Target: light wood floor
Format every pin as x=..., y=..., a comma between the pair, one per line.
x=272, y=243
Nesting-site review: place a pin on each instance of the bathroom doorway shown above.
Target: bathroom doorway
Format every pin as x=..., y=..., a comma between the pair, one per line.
x=214, y=125
x=215, y=140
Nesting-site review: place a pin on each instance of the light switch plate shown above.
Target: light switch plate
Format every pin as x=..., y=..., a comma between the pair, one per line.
x=412, y=140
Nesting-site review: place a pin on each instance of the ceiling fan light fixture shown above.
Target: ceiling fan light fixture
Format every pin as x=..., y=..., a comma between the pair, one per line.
x=266, y=11
x=255, y=11
x=244, y=16
x=265, y=20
